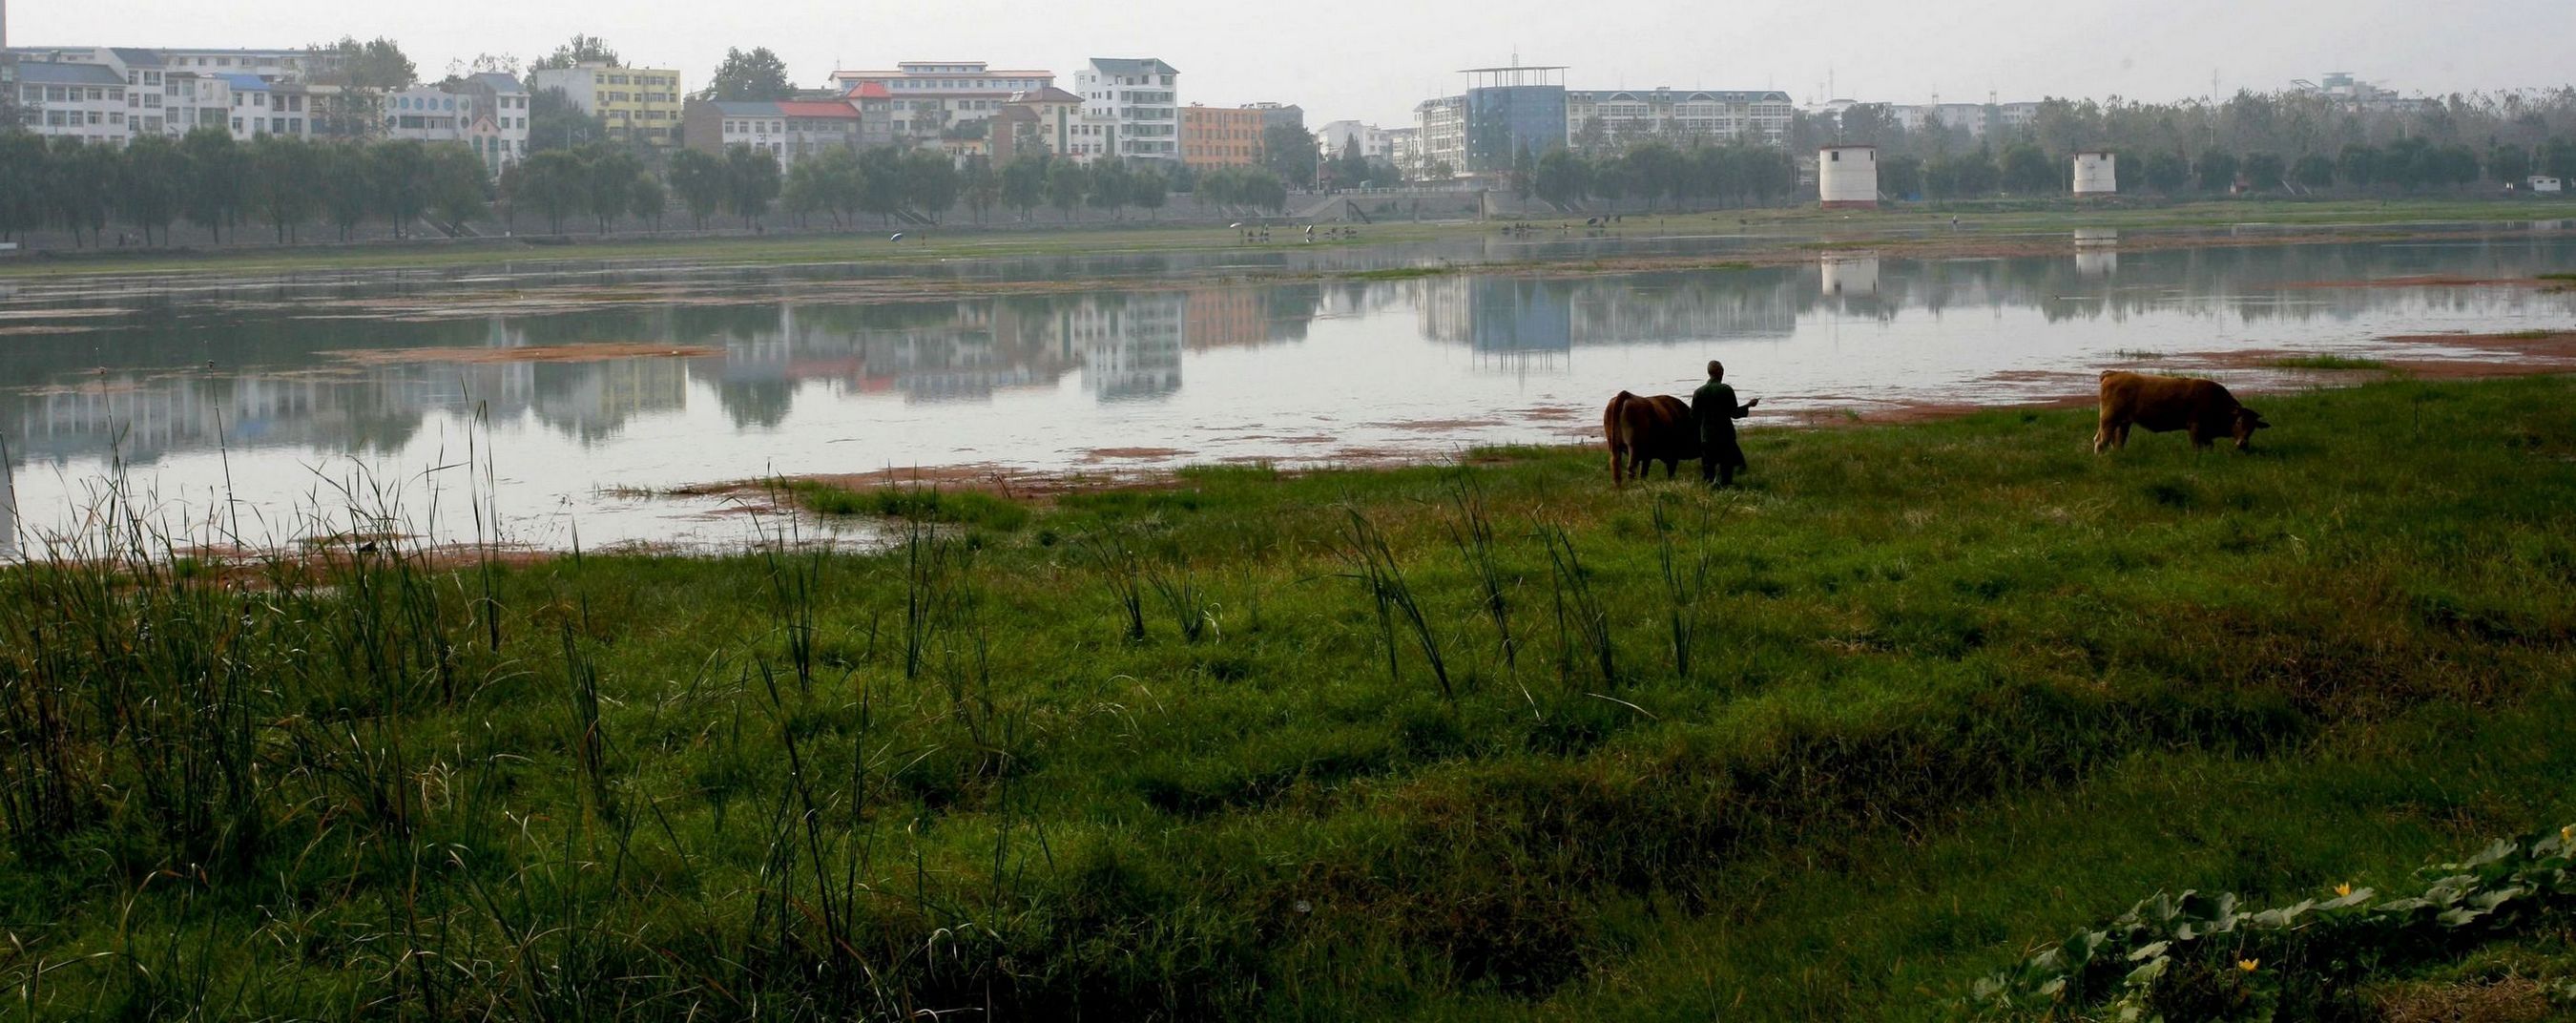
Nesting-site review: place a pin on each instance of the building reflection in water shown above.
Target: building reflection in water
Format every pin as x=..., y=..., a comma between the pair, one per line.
x=140, y=385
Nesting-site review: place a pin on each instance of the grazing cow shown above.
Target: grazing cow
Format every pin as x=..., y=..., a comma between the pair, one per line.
x=2163, y=404
x=1642, y=430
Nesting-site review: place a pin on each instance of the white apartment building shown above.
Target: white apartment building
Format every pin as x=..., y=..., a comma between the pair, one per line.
x=492, y=119
x=1441, y=126
x=83, y=101
x=1130, y=110
x=1597, y=118
x=1374, y=144
x=932, y=99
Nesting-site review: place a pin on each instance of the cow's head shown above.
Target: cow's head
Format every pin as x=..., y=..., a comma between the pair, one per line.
x=2247, y=421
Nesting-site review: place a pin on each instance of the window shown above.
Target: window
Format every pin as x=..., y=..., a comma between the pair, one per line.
x=236, y=126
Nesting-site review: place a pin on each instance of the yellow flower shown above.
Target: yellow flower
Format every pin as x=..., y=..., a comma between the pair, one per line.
x=2567, y=835
x=2344, y=888
x=2248, y=965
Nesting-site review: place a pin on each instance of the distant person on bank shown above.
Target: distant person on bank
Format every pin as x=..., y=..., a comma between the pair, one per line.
x=1714, y=407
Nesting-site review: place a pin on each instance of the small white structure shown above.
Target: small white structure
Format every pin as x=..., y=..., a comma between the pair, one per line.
x=2096, y=174
x=2542, y=184
x=1847, y=177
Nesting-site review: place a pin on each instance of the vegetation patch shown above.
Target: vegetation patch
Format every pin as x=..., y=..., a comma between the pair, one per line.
x=2324, y=362
x=1485, y=741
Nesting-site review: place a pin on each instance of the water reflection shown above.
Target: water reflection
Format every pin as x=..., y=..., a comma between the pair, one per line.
x=1215, y=370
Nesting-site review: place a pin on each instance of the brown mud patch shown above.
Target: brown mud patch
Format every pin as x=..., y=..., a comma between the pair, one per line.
x=583, y=352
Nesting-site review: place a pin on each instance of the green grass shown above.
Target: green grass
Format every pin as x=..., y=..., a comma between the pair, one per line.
x=2324, y=362
x=918, y=504
x=1487, y=743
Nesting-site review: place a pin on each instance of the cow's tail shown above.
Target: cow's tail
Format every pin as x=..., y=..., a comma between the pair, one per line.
x=1614, y=428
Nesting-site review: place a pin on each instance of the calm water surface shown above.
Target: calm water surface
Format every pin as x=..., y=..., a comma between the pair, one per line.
x=288, y=395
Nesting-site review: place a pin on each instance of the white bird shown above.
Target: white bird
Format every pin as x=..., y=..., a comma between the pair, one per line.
x=898, y=236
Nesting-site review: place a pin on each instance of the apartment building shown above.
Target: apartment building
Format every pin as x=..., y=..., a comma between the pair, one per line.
x=1598, y=120
x=83, y=101
x=788, y=131
x=932, y=99
x=262, y=107
x=486, y=112
x=639, y=104
x=1040, y=122
x=1131, y=110
x=1441, y=124
x=1213, y=137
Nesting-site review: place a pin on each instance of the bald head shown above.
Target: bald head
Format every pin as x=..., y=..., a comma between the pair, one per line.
x=1716, y=370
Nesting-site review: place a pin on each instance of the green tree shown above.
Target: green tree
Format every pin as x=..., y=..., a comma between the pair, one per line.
x=1149, y=191
x=2027, y=170
x=22, y=183
x=2509, y=163
x=1901, y=176
x=2358, y=164
x=1066, y=183
x=2165, y=171
x=581, y=49
x=648, y=201
x=1024, y=183
x=212, y=196
x=751, y=183
x=807, y=192
x=880, y=182
x=555, y=123
x=979, y=186
x=1289, y=152
x=2314, y=171
x=929, y=182
x=2263, y=171
x=80, y=181
x=285, y=182
x=1109, y=186
x=554, y=184
x=151, y=175
x=459, y=188
x=1562, y=177
x=401, y=173
x=2217, y=169
x=376, y=65
x=608, y=183
x=699, y=179
x=754, y=77
x=1524, y=173
x=348, y=189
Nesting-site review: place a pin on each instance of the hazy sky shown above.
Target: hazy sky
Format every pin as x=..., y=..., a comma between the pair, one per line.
x=1374, y=60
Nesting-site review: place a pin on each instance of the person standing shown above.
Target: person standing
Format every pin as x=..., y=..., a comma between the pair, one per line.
x=1713, y=407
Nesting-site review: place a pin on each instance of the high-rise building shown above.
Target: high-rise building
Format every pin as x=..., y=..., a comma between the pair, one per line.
x=1131, y=109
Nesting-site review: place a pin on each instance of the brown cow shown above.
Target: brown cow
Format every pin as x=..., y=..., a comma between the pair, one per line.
x=2163, y=404
x=1642, y=430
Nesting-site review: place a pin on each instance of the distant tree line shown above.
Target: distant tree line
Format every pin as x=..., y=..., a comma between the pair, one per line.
x=218, y=185
x=1658, y=173
x=2290, y=142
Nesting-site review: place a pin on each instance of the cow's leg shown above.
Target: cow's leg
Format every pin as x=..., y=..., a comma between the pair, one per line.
x=1672, y=466
x=2120, y=440
x=2102, y=433
x=1618, y=466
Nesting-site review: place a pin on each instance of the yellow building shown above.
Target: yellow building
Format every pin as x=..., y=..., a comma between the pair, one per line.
x=639, y=103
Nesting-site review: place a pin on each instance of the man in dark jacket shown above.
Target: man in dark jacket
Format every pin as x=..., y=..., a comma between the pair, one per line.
x=1714, y=407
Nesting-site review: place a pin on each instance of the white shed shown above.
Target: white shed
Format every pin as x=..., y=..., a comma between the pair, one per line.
x=1847, y=177
x=2096, y=173
x=2542, y=184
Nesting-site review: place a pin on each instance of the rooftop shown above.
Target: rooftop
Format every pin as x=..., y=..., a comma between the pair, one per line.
x=1133, y=66
x=50, y=73
x=810, y=108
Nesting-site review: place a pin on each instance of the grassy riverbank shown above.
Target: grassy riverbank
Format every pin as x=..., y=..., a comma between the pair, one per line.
x=1041, y=238
x=1480, y=742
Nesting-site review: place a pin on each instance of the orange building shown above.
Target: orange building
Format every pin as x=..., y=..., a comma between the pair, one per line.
x=1220, y=136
